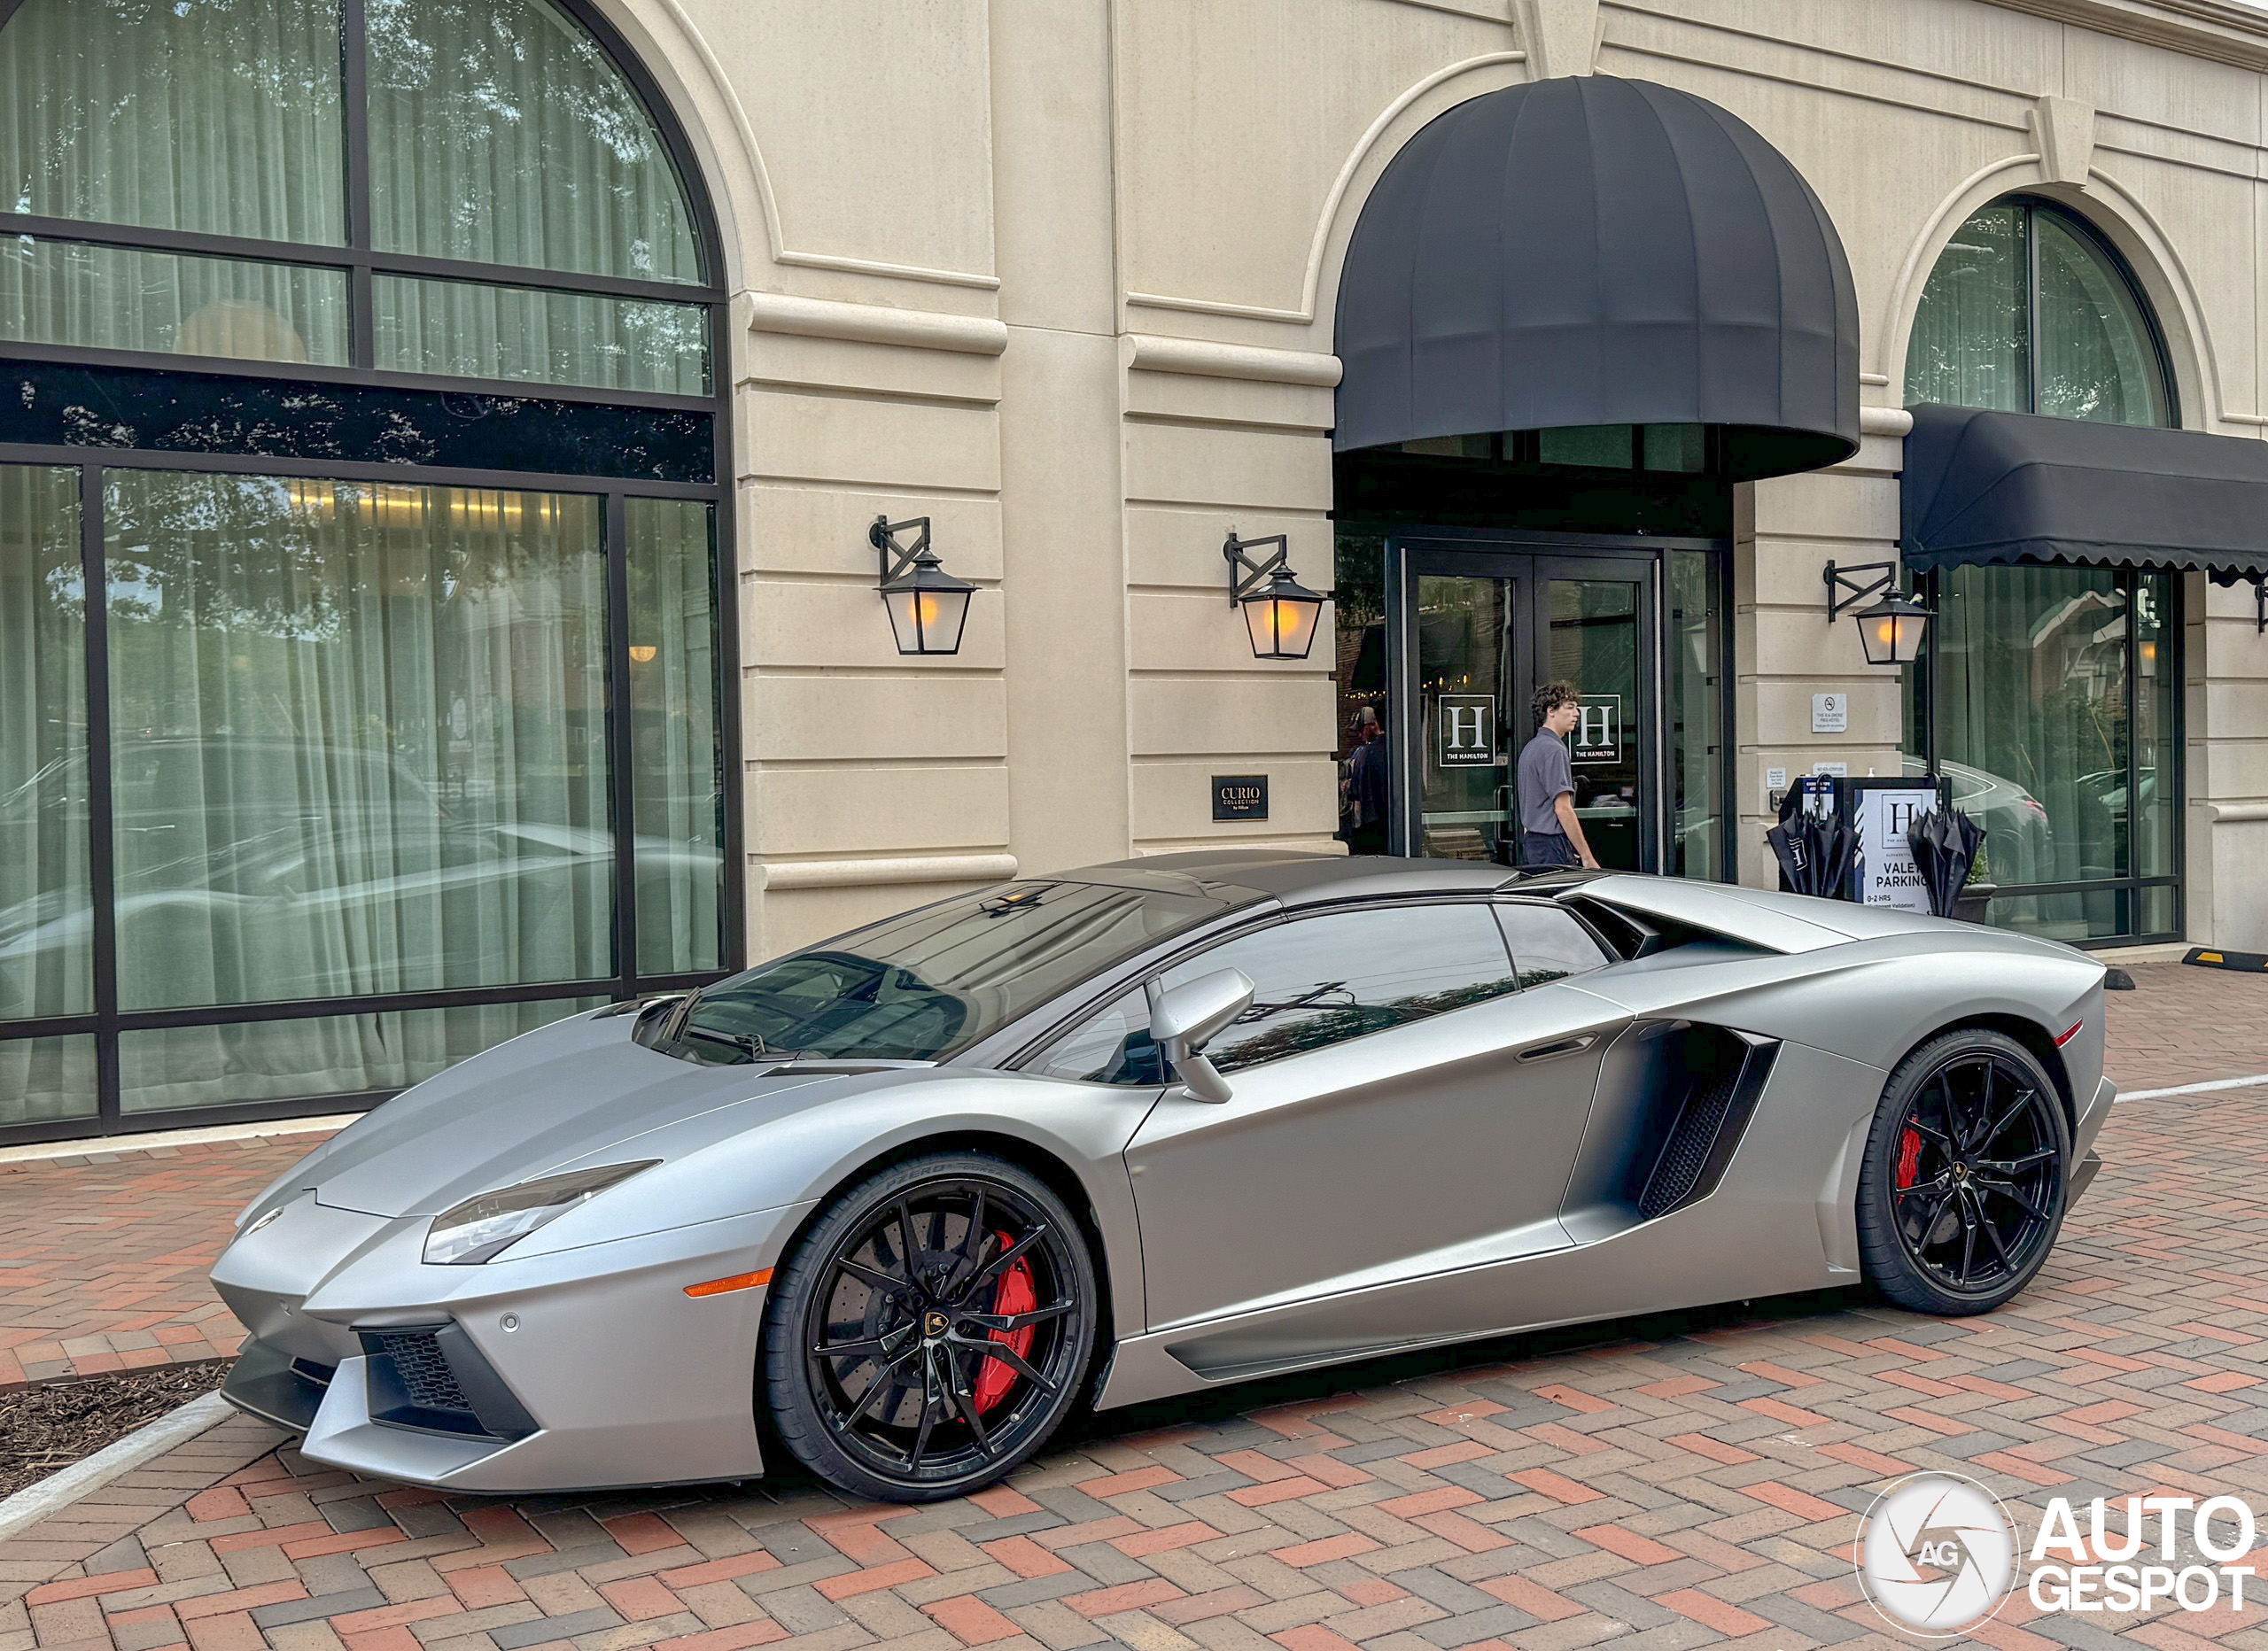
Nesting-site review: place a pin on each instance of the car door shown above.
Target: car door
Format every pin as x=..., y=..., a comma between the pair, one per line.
x=1402, y=1107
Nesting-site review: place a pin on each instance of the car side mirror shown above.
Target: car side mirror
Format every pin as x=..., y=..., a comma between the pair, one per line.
x=1184, y=1020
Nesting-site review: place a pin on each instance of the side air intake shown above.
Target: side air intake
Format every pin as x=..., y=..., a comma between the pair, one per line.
x=1699, y=1122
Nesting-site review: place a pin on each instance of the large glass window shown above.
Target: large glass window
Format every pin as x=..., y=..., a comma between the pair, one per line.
x=2053, y=719
x=2028, y=310
x=46, y=941
x=499, y=133
x=362, y=646
x=2049, y=695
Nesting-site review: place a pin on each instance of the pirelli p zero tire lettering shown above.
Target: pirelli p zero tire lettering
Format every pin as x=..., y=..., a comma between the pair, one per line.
x=931, y=1330
x=1966, y=1176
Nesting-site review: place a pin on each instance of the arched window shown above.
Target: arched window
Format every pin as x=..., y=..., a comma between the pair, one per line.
x=2049, y=695
x=2029, y=310
x=361, y=628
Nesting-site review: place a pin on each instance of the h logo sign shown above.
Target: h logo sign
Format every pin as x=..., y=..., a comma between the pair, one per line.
x=1596, y=726
x=1598, y=736
x=1465, y=731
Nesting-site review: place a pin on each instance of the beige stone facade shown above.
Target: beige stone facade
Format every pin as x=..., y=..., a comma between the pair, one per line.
x=1062, y=277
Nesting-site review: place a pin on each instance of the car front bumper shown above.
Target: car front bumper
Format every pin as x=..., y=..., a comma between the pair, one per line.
x=578, y=1369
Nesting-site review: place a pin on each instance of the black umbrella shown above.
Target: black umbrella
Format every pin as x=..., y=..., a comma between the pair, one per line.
x=1815, y=852
x=1945, y=844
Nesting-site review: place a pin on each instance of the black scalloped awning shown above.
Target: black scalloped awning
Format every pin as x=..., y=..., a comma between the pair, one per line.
x=1998, y=487
x=1595, y=250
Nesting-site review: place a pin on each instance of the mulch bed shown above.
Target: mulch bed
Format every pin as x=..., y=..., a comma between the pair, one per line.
x=46, y=1428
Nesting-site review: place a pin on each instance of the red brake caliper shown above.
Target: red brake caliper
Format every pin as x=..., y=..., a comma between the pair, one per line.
x=1013, y=1294
x=1909, y=1157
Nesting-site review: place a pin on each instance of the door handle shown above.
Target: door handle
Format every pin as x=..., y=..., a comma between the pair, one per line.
x=1563, y=1046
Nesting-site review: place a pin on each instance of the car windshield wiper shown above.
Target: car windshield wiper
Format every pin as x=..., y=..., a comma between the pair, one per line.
x=749, y=1044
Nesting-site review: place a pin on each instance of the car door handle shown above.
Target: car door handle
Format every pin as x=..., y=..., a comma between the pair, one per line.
x=1562, y=1046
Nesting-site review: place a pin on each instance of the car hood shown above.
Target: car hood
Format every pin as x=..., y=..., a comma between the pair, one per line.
x=576, y=1092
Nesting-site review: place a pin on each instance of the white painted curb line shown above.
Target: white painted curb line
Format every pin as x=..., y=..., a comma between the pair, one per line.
x=36, y=1501
x=2252, y=1083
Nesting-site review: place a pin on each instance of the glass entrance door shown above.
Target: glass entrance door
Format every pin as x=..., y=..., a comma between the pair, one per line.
x=1478, y=632
x=1590, y=635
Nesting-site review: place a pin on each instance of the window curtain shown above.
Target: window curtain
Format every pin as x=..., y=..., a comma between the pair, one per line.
x=2097, y=359
x=222, y=116
x=358, y=747
x=46, y=936
x=679, y=775
x=500, y=132
x=2032, y=733
x=1969, y=347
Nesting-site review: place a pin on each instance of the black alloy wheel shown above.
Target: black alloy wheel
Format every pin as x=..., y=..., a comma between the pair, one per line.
x=1963, y=1187
x=931, y=1330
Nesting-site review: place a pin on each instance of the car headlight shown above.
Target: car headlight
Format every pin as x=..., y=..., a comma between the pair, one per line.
x=481, y=1229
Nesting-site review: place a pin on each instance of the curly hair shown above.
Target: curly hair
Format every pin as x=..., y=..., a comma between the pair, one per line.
x=1550, y=697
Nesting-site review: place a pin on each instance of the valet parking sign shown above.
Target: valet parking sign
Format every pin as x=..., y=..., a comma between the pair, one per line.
x=1937, y=1552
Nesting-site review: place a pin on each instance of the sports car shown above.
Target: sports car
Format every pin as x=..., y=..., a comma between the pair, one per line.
x=901, y=1201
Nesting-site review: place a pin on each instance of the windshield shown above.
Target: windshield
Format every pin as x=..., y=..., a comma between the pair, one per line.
x=926, y=985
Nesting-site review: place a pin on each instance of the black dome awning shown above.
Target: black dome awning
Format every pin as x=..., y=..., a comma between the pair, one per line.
x=1999, y=487
x=1595, y=250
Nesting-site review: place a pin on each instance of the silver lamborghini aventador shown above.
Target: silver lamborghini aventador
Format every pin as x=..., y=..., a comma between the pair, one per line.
x=914, y=1193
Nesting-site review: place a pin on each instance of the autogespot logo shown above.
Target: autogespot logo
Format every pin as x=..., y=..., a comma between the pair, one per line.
x=1937, y=1555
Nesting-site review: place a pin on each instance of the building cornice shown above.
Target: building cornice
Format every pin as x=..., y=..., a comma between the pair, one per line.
x=2221, y=30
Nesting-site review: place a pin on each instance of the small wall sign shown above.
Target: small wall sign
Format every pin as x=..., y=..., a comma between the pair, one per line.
x=1239, y=796
x=1830, y=713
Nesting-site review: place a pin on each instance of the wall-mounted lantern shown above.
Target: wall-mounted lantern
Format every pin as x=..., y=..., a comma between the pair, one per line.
x=927, y=606
x=1281, y=614
x=1890, y=631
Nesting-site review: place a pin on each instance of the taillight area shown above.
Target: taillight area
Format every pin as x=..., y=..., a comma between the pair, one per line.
x=2077, y=1025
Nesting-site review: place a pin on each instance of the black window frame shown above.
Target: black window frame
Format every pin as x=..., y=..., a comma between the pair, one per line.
x=362, y=262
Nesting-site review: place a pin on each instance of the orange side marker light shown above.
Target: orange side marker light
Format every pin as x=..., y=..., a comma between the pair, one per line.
x=738, y=1281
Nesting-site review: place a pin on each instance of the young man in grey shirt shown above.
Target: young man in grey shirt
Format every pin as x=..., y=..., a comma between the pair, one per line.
x=1551, y=834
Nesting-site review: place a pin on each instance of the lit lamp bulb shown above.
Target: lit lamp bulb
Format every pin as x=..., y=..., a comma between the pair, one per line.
x=1282, y=617
x=1890, y=632
x=643, y=653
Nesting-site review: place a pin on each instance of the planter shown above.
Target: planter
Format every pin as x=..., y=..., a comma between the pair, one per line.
x=1968, y=904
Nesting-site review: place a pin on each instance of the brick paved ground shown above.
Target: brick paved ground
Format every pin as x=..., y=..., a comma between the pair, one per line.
x=103, y=1258
x=1667, y=1483
x=2183, y=1024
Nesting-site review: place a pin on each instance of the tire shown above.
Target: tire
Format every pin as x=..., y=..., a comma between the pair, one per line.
x=1967, y=1171
x=912, y=1384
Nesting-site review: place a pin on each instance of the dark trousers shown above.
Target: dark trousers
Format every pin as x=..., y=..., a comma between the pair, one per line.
x=1547, y=849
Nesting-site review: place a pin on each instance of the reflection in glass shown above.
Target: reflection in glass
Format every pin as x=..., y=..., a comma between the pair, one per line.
x=2097, y=359
x=1321, y=980
x=220, y=116
x=922, y=986
x=1470, y=716
x=1697, y=654
x=1594, y=646
x=2156, y=817
x=1364, y=698
x=276, y=1060
x=110, y=298
x=359, y=738
x=44, y=1079
x=500, y=133
x=46, y=940
x=1969, y=347
x=470, y=329
x=678, y=774
x=2032, y=733
x=1973, y=346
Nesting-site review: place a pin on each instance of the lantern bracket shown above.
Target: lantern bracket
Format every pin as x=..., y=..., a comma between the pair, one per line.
x=1849, y=584
x=1247, y=575
x=899, y=559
